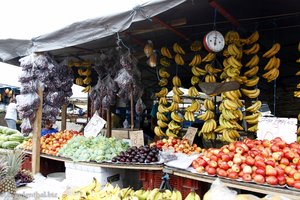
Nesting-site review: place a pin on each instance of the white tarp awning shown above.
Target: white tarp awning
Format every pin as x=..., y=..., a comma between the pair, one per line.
x=86, y=28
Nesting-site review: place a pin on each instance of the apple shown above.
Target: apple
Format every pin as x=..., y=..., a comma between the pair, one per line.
x=247, y=169
x=270, y=171
x=288, y=169
x=261, y=171
x=246, y=177
x=296, y=176
x=277, y=155
x=213, y=163
x=270, y=162
x=284, y=161
x=289, y=155
x=280, y=171
x=230, y=163
x=297, y=185
x=225, y=157
x=200, y=169
x=222, y=173
x=250, y=160
x=282, y=166
x=241, y=174
x=253, y=153
x=250, y=144
x=294, y=145
x=292, y=172
x=254, y=168
x=266, y=143
x=272, y=180
x=295, y=160
x=275, y=148
x=259, y=158
x=290, y=181
x=231, y=147
x=236, y=168
x=286, y=149
x=266, y=152
x=239, y=150
x=245, y=147
x=281, y=180
x=202, y=162
x=224, y=165
x=281, y=144
x=258, y=178
x=260, y=164
x=237, y=159
x=211, y=171
x=213, y=157
x=233, y=175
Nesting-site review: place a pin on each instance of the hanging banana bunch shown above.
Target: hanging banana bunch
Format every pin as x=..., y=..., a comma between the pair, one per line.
x=297, y=93
x=273, y=64
x=210, y=124
x=174, y=125
x=231, y=103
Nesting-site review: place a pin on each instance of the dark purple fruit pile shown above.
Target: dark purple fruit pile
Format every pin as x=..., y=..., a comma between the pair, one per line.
x=142, y=154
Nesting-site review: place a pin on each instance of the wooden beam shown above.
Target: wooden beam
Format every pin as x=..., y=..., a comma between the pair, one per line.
x=64, y=117
x=171, y=28
x=36, y=138
x=109, y=122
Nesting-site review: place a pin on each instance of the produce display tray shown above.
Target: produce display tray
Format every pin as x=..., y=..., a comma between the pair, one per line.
x=248, y=186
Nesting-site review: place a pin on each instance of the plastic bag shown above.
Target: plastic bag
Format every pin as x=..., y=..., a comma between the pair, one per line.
x=26, y=126
x=139, y=107
x=124, y=80
x=105, y=103
x=127, y=61
x=28, y=87
x=277, y=197
x=218, y=191
x=27, y=101
x=26, y=76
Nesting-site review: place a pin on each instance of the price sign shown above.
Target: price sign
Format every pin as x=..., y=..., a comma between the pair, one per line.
x=190, y=134
x=136, y=138
x=272, y=127
x=94, y=126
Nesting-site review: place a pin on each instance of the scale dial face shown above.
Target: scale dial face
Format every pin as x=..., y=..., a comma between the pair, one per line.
x=214, y=41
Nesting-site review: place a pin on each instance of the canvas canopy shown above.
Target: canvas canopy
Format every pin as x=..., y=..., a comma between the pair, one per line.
x=85, y=31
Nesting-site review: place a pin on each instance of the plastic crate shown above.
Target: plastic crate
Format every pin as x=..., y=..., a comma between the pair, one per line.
x=150, y=179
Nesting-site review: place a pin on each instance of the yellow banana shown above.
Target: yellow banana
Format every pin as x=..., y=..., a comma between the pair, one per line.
x=158, y=131
x=165, y=62
x=177, y=91
x=198, y=71
x=253, y=61
x=163, y=92
x=195, y=80
x=253, y=128
x=194, y=107
x=176, y=117
x=178, y=59
x=251, y=93
x=174, y=106
x=252, y=50
x=162, y=108
x=176, y=98
x=163, y=101
x=161, y=116
x=178, y=49
x=271, y=75
x=271, y=52
x=254, y=107
x=193, y=92
x=196, y=60
x=208, y=104
x=252, y=82
x=163, y=82
x=166, y=52
x=162, y=124
x=209, y=57
x=163, y=73
x=251, y=72
x=196, y=46
x=176, y=81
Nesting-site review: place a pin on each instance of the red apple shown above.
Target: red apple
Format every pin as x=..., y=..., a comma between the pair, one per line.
x=213, y=157
x=246, y=177
x=270, y=171
x=225, y=150
x=254, y=168
x=286, y=149
x=245, y=147
x=222, y=173
x=233, y=175
x=211, y=171
x=296, y=160
x=250, y=144
x=281, y=180
x=294, y=145
x=260, y=164
x=202, y=162
x=266, y=143
x=259, y=158
x=239, y=150
x=253, y=153
x=290, y=181
x=296, y=176
x=231, y=147
x=225, y=157
x=281, y=144
x=282, y=166
x=284, y=161
x=241, y=174
x=288, y=170
x=258, y=178
x=289, y=155
x=270, y=162
x=200, y=169
x=224, y=165
x=247, y=169
x=297, y=185
x=250, y=161
x=272, y=180
x=277, y=155
x=236, y=168
x=230, y=163
x=261, y=171
x=280, y=171
x=292, y=172
x=213, y=163
x=237, y=159
x=275, y=148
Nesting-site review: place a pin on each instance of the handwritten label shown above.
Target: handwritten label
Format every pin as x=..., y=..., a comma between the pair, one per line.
x=190, y=134
x=272, y=127
x=94, y=126
x=136, y=138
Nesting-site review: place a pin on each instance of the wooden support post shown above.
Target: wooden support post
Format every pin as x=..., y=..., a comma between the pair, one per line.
x=109, y=124
x=132, y=110
x=37, y=126
x=64, y=117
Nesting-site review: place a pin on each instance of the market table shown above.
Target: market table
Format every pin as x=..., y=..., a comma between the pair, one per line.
x=105, y=164
x=263, y=189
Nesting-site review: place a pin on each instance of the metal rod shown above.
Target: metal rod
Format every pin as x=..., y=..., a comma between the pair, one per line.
x=171, y=28
x=224, y=12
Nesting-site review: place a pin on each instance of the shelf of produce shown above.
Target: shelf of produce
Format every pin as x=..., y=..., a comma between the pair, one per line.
x=263, y=189
x=107, y=165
